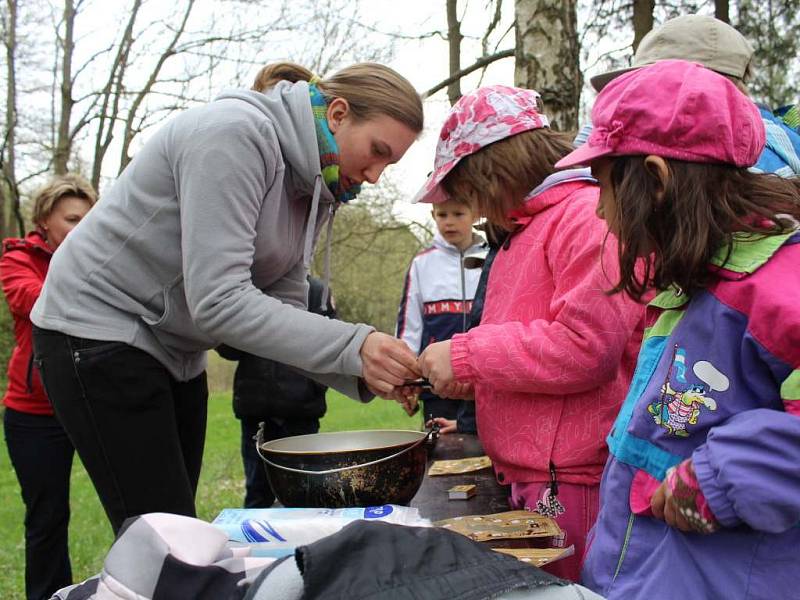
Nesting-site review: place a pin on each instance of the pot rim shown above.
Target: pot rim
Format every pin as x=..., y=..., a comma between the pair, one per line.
x=265, y=446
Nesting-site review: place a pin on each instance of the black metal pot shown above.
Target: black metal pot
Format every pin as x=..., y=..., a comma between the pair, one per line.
x=346, y=468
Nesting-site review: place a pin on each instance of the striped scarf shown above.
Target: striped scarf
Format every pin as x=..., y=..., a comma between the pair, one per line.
x=791, y=116
x=328, y=149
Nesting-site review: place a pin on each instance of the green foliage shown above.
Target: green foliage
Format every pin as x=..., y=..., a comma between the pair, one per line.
x=771, y=26
x=371, y=253
x=6, y=342
x=221, y=485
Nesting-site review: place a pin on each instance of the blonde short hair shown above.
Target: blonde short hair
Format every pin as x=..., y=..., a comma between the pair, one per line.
x=61, y=186
x=371, y=89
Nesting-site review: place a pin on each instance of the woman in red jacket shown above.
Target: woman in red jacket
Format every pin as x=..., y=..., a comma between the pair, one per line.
x=40, y=450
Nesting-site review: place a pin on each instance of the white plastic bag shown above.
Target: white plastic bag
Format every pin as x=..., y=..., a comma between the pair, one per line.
x=278, y=531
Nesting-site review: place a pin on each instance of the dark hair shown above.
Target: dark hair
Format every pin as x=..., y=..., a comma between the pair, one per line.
x=371, y=90
x=496, y=178
x=702, y=207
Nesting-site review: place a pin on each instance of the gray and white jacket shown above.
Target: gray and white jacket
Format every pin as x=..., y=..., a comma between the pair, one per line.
x=205, y=239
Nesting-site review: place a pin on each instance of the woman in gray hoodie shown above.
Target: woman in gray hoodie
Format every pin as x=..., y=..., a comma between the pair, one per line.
x=206, y=239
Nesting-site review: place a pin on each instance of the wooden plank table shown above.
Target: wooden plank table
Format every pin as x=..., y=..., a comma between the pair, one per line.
x=432, y=500
x=491, y=497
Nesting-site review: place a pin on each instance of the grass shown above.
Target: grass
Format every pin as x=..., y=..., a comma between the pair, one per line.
x=221, y=485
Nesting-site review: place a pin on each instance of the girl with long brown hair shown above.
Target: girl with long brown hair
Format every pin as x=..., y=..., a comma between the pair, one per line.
x=701, y=494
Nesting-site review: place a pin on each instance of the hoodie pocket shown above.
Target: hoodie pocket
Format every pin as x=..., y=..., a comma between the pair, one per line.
x=176, y=321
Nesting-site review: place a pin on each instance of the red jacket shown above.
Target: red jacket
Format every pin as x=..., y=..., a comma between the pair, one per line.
x=554, y=354
x=23, y=267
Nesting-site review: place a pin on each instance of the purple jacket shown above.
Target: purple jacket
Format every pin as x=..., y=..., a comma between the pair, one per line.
x=717, y=381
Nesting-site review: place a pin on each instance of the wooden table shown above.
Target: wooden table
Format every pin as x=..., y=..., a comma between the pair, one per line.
x=491, y=497
x=432, y=500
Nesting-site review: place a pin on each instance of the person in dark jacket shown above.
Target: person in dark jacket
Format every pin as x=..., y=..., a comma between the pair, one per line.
x=39, y=449
x=287, y=402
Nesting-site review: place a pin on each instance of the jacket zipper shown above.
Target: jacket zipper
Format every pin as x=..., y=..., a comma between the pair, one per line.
x=625, y=543
x=29, y=376
x=463, y=292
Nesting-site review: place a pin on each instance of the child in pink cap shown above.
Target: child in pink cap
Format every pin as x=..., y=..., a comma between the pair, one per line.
x=701, y=494
x=551, y=360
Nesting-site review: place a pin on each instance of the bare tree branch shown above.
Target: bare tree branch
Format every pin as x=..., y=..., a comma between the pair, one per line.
x=166, y=54
x=480, y=63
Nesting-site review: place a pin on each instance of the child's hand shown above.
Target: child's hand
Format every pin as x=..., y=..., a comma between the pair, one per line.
x=665, y=507
x=457, y=391
x=680, y=502
x=434, y=362
x=445, y=425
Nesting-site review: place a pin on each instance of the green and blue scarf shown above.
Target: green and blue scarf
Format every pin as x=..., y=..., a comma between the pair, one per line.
x=328, y=149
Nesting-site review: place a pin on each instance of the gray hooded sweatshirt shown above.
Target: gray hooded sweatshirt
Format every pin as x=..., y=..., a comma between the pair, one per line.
x=224, y=201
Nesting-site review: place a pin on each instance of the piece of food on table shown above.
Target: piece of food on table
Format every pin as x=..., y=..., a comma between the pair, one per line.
x=537, y=557
x=462, y=465
x=462, y=492
x=513, y=524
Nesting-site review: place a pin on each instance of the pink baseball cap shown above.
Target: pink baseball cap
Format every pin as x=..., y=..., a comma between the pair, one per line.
x=480, y=118
x=674, y=109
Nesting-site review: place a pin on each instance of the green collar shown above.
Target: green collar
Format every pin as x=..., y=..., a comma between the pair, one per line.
x=749, y=251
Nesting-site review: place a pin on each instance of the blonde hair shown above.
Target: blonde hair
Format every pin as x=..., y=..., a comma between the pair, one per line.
x=496, y=179
x=61, y=186
x=371, y=89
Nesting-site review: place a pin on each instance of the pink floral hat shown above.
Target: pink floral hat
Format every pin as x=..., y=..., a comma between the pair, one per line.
x=480, y=118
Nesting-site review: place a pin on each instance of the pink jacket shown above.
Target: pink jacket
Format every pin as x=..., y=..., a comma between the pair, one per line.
x=553, y=356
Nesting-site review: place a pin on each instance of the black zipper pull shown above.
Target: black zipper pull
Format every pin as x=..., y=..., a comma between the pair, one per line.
x=553, y=480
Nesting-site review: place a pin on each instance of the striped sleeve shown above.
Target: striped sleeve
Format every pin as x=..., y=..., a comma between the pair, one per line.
x=409, y=314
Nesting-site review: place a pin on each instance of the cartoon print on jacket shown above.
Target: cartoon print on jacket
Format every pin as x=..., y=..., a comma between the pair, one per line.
x=675, y=409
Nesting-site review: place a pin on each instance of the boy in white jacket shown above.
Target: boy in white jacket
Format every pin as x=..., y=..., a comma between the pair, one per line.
x=437, y=299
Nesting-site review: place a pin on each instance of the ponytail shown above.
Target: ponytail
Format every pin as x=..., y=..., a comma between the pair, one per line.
x=271, y=74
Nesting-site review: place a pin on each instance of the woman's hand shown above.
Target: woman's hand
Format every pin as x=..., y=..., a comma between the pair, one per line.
x=434, y=362
x=387, y=363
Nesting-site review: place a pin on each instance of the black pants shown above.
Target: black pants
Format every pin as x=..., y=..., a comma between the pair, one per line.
x=41, y=454
x=138, y=431
x=258, y=493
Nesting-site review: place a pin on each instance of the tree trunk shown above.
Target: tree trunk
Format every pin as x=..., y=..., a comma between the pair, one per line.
x=548, y=57
x=642, y=20
x=722, y=10
x=64, y=140
x=454, y=42
x=9, y=193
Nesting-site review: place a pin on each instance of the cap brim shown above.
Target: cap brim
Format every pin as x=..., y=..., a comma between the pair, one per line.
x=583, y=156
x=603, y=79
x=435, y=195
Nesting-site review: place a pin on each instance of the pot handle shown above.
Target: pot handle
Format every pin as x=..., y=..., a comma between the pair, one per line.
x=259, y=438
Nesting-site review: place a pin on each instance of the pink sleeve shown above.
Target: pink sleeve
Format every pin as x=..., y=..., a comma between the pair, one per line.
x=582, y=346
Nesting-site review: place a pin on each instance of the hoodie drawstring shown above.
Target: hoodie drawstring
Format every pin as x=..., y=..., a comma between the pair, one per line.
x=308, y=247
x=311, y=226
x=326, y=284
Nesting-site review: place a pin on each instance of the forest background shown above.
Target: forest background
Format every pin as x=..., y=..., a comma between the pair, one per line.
x=85, y=82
